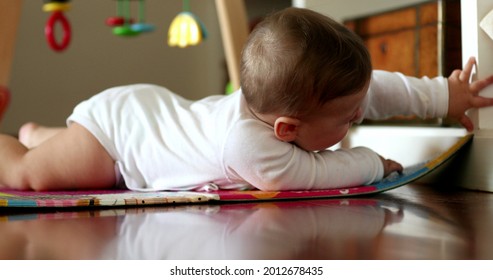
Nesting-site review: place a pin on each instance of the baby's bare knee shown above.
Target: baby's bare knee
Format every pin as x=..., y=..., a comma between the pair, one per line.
x=25, y=178
x=37, y=185
x=18, y=179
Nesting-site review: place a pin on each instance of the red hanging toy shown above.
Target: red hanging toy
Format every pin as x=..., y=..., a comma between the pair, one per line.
x=57, y=7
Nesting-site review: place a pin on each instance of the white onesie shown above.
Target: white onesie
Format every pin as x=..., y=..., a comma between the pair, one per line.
x=161, y=141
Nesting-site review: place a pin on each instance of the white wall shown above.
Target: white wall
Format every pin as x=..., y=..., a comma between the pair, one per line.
x=475, y=42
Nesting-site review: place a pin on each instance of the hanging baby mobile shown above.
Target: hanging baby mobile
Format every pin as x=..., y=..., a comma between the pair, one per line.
x=57, y=9
x=124, y=25
x=186, y=29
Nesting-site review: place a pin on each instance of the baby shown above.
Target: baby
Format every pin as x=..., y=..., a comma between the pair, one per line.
x=305, y=79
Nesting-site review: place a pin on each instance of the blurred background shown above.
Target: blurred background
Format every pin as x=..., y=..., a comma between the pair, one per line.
x=46, y=85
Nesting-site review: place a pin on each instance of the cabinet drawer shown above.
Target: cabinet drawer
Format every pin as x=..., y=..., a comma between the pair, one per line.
x=420, y=40
x=393, y=51
x=388, y=22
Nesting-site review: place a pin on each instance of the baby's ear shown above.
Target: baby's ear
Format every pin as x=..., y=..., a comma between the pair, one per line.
x=286, y=128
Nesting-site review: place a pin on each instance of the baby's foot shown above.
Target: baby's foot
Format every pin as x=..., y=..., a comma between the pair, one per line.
x=26, y=134
x=32, y=134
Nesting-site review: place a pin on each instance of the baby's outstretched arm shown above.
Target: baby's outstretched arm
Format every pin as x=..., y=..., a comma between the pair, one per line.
x=463, y=94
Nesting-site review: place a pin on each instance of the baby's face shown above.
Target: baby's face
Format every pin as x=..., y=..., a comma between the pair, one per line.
x=331, y=123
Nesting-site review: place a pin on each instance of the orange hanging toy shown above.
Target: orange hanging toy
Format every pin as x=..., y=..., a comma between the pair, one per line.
x=57, y=7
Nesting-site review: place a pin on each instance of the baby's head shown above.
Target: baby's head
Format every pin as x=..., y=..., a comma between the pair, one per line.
x=297, y=60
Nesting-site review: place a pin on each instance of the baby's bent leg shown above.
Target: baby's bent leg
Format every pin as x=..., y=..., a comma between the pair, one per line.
x=72, y=159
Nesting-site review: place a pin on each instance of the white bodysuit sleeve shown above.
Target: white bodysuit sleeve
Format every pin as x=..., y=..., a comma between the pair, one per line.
x=392, y=94
x=253, y=154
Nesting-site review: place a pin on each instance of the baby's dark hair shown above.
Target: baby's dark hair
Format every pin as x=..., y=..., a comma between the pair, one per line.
x=296, y=60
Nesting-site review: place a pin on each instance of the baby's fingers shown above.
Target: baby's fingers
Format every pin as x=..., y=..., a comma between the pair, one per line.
x=465, y=74
x=390, y=166
x=479, y=85
x=467, y=123
x=480, y=102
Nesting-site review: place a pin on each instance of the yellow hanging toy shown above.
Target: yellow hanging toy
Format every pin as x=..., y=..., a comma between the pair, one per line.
x=186, y=29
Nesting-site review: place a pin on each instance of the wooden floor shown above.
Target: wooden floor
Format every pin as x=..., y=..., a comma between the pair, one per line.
x=412, y=222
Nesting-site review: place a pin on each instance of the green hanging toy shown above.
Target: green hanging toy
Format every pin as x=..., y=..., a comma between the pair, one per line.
x=123, y=24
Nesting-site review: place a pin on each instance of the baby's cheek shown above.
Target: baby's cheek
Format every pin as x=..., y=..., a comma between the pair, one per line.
x=340, y=135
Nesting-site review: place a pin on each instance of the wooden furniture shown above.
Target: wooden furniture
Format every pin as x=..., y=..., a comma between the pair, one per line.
x=234, y=30
x=424, y=39
x=9, y=17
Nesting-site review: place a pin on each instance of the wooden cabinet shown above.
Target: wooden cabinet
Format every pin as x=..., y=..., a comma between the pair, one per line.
x=424, y=39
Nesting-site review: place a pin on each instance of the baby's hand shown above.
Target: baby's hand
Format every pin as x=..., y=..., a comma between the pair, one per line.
x=463, y=94
x=390, y=166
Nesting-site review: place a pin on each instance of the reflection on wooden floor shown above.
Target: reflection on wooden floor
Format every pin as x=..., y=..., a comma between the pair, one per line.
x=413, y=222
